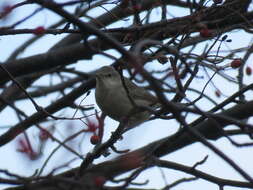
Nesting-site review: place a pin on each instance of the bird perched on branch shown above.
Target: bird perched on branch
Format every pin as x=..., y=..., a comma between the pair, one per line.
x=120, y=98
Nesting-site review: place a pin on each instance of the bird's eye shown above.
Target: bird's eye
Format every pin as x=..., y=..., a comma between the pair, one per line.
x=109, y=75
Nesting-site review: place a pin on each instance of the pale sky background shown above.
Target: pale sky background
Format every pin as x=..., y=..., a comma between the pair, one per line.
x=15, y=162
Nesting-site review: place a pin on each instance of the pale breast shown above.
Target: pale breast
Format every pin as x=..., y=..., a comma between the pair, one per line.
x=114, y=103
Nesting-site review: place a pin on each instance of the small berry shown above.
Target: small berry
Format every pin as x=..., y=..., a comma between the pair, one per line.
x=94, y=139
x=217, y=1
x=205, y=32
x=217, y=93
x=236, y=63
x=99, y=181
x=39, y=30
x=248, y=70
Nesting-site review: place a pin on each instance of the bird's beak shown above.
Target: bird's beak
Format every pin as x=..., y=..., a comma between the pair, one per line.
x=98, y=77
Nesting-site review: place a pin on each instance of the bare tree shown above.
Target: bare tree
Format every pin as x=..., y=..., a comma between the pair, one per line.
x=185, y=49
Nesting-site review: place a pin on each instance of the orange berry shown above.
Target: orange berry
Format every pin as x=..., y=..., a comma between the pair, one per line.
x=94, y=139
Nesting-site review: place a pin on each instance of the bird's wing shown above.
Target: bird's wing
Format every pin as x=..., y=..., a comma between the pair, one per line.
x=139, y=93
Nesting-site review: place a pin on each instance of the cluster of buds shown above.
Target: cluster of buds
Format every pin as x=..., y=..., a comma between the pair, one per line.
x=95, y=127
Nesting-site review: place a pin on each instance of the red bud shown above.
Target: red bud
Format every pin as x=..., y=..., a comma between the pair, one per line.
x=39, y=30
x=205, y=32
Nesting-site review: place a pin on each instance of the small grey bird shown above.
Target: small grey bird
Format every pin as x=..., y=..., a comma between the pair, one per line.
x=117, y=102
